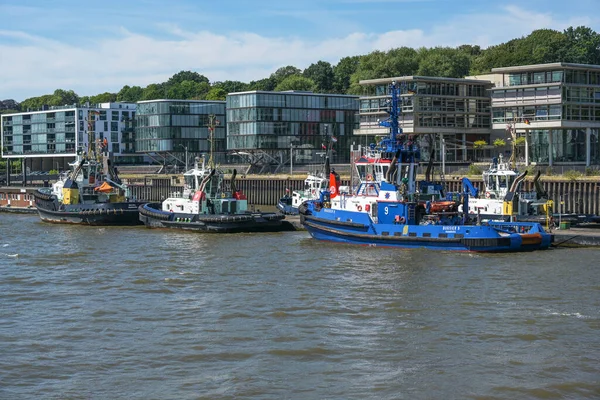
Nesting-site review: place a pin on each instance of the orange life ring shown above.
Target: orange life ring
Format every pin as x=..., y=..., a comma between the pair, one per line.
x=488, y=195
x=369, y=177
x=359, y=208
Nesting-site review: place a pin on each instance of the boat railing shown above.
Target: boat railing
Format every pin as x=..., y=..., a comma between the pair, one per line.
x=528, y=195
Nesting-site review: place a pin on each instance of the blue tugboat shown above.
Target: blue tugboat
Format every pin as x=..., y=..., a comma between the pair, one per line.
x=400, y=217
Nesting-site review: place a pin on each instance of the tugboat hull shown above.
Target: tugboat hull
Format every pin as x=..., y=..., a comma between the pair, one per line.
x=153, y=217
x=357, y=228
x=50, y=210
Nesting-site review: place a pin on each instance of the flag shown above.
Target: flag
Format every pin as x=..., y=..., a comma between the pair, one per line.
x=333, y=139
x=334, y=184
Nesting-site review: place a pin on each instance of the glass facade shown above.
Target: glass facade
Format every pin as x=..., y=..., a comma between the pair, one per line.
x=274, y=121
x=456, y=109
x=565, y=146
x=174, y=125
x=429, y=104
x=555, y=106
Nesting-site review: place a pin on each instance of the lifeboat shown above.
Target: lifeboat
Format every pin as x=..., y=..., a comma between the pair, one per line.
x=443, y=206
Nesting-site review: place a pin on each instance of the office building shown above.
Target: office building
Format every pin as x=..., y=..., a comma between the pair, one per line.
x=445, y=114
x=167, y=130
x=51, y=137
x=265, y=128
x=555, y=107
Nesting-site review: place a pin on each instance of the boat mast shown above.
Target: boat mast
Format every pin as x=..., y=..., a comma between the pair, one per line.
x=91, y=119
x=390, y=145
x=212, y=123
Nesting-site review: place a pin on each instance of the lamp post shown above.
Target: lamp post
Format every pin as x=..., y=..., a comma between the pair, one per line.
x=291, y=158
x=443, y=157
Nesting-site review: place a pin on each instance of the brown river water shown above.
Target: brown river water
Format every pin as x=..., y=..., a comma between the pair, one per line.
x=133, y=313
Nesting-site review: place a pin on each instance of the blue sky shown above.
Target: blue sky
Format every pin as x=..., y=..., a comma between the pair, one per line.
x=94, y=47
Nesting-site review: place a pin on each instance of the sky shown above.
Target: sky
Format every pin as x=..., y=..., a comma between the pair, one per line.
x=95, y=47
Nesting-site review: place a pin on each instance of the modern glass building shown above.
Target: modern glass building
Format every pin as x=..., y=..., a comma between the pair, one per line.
x=446, y=113
x=172, y=128
x=55, y=134
x=555, y=107
x=273, y=125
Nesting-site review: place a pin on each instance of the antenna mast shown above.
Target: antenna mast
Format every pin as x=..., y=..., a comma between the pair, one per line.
x=212, y=123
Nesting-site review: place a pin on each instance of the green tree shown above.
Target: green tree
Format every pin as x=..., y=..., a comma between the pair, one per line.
x=130, y=94
x=443, y=61
x=216, y=93
x=479, y=145
x=283, y=72
x=187, y=90
x=539, y=47
x=183, y=76
x=153, y=91
x=105, y=97
x=398, y=62
x=583, y=45
x=469, y=49
x=62, y=97
x=267, y=84
x=59, y=98
x=321, y=73
x=296, y=82
x=499, y=143
x=342, y=73
x=8, y=111
x=231, y=86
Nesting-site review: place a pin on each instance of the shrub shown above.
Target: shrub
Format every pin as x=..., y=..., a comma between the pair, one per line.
x=572, y=175
x=499, y=143
x=474, y=170
x=590, y=171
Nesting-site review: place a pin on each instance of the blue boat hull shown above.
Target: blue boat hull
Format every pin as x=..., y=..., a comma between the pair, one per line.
x=357, y=228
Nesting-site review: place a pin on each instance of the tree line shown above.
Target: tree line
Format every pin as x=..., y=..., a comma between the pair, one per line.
x=574, y=45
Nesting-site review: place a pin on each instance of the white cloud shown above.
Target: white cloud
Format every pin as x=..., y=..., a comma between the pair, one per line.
x=33, y=65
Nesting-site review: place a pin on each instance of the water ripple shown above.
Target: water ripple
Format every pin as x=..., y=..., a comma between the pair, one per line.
x=148, y=314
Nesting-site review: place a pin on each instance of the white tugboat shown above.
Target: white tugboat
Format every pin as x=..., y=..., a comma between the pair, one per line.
x=207, y=205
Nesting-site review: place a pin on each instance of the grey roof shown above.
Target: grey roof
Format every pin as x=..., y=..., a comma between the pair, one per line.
x=188, y=101
x=538, y=67
x=295, y=92
x=423, y=78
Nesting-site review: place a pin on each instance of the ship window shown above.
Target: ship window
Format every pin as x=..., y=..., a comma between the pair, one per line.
x=426, y=234
x=443, y=235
